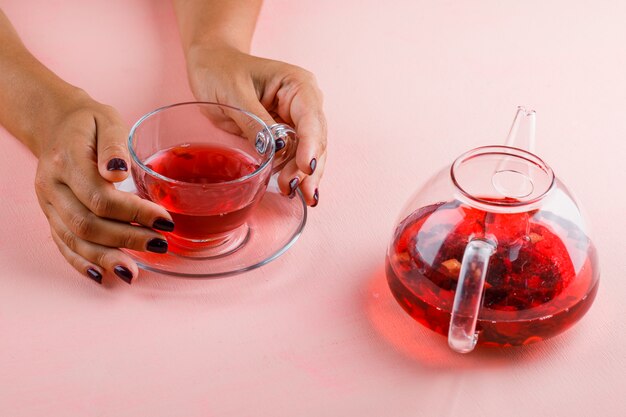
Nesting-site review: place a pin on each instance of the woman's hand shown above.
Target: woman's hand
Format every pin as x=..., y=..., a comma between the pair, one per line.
x=82, y=151
x=277, y=93
x=81, y=146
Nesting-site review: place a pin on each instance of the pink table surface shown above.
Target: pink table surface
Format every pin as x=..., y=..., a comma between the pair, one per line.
x=409, y=85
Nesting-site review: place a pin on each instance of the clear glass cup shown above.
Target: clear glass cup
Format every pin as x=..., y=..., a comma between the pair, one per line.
x=208, y=165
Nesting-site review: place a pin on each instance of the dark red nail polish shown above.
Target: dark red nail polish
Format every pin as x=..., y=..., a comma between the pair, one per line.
x=157, y=245
x=313, y=165
x=124, y=273
x=316, y=197
x=117, y=164
x=293, y=185
x=163, y=224
x=95, y=275
x=279, y=144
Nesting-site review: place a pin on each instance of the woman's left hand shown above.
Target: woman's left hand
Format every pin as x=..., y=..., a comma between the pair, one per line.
x=276, y=92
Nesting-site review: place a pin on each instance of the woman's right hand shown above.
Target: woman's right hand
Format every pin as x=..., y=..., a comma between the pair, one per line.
x=80, y=156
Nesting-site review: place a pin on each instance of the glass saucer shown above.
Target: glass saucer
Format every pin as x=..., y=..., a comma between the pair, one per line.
x=274, y=226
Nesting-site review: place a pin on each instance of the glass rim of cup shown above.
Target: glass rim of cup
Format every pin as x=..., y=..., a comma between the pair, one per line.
x=150, y=171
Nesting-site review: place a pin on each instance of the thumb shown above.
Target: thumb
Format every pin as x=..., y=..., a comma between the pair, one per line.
x=112, y=148
x=248, y=101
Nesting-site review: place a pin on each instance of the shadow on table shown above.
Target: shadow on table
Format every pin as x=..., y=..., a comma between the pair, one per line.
x=215, y=292
x=419, y=344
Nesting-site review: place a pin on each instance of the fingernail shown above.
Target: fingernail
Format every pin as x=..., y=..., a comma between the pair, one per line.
x=95, y=275
x=279, y=144
x=157, y=245
x=313, y=165
x=124, y=273
x=117, y=164
x=293, y=184
x=316, y=197
x=163, y=224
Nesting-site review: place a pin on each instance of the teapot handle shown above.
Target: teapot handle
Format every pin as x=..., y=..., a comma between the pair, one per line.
x=462, y=334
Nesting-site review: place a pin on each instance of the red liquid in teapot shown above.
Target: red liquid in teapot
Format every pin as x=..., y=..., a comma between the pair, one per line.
x=540, y=281
x=200, y=164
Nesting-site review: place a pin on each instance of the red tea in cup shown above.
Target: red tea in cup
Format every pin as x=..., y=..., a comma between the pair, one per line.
x=203, y=164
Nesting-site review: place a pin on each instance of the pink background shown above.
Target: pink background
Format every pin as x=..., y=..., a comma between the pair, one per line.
x=409, y=85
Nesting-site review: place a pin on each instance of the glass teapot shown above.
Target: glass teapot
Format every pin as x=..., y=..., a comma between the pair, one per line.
x=494, y=249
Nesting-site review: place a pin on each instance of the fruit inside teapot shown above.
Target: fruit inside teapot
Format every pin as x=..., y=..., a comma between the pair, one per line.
x=537, y=286
x=537, y=272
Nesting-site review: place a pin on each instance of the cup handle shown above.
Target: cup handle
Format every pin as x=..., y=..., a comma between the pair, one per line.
x=285, y=142
x=462, y=336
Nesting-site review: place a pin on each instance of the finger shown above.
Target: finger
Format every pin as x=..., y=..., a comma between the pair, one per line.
x=105, y=201
x=310, y=185
x=112, y=147
x=306, y=111
x=312, y=142
x=310, y=191
x=290, y=178
x=79, y=263
x=109, y=259
x=88, y=226
x=246, y=99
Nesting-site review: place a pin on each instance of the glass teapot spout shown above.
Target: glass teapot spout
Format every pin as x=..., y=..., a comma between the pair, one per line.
x=508, y=179
x=522, y=132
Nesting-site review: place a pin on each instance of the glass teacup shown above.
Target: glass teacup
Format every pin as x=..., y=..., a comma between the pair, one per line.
x=208, y=165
